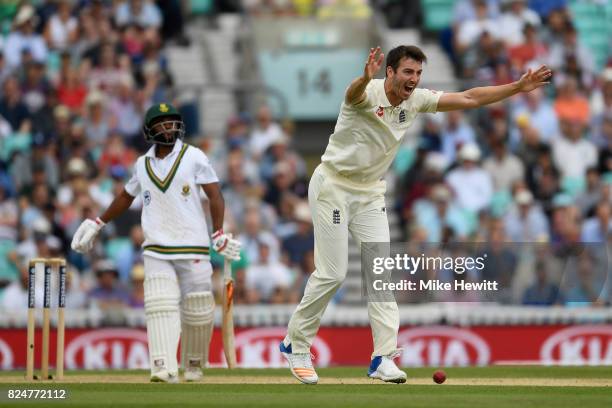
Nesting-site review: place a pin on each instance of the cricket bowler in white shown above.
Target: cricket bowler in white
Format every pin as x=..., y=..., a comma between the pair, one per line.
x=178, y=287
x=347, y=193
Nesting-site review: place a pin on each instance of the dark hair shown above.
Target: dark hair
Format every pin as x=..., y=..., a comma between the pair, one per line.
x=404, y=51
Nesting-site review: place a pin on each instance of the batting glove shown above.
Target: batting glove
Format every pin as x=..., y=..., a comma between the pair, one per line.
x=86, y=234
x=225, y=245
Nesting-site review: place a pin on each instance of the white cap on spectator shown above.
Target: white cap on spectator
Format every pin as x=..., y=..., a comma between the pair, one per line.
x=436, y=161
x=524, y=197
x=302, y=212
x=76, y=166
x=61, y=112
x=441, y=193
x=94, y=97
x=281, y=168
x=469, y=151
x=25, y=14
x=41, y=225
x=280, y=140
x=54, y=242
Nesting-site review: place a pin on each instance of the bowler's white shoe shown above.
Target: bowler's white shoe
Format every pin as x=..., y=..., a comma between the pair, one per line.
x=193, y=374
x=300, y=364
x=164, y=376
x=383, y=368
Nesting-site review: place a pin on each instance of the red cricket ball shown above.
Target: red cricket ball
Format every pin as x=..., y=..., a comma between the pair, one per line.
x=439, y=377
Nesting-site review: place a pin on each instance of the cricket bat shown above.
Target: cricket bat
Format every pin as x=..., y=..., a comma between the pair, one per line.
x=227, y=328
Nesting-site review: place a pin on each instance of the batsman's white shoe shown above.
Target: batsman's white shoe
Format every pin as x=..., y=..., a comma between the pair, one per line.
x=300, y=365
x=383, y=368
x=164, y=376
x=193, y=374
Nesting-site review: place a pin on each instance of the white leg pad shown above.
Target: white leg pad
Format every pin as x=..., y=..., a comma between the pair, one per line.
x=197, y=317
x=162, y=297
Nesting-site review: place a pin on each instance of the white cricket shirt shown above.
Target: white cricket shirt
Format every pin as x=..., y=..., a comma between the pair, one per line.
x=173, y=219
x=367, y=136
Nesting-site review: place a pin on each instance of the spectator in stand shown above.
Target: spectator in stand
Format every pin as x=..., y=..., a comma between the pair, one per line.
x=137, y=290
x=569, y=47
x=265, y=132
x=565, y=221
x=12, y=108
x=455, y=134
x=599, y=227
x=128, y=106
x=605, y=153
x=34, y=87
x=530, y=50
x=516, y=14
x=465, y=10
x=529, y=144
x=71, y=90
x=284, y=181
x=543, y=178
x=543, y=292
x=601, y=108
x=267, y=280
x=535, y=111
x=279, y=152
x=471, y=184
x=108, y=293
x=469, y=31
x=116, y=153
x=572, y=153
x=255, y=234
x=571, y=104
x=62, y=29
x=423, y=175
x=109, y=68
x=438, y=212
x=302, y=241
x=504, y=168
x=23, y=39
x=525, y=221
x=143, y=13
x=97, y=120
x=593, y=193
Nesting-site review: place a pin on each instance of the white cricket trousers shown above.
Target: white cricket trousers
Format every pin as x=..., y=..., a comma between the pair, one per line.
x=340, y=206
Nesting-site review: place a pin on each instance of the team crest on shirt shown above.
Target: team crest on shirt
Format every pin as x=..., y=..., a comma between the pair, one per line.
x=402, y=116
x=380, y=112
x=186, y=190
x=146, y=197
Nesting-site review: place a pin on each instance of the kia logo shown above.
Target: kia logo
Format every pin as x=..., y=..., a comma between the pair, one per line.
x=442, y=346
x=259, y=348
x=108, y=348
x=6, y=356
x=579, y=345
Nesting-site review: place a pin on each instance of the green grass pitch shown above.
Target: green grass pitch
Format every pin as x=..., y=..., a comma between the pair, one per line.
x=499, y=387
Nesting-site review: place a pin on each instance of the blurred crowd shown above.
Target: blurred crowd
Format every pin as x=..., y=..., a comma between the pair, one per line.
x=534, y=168
x=77, y=76
x=75, y=80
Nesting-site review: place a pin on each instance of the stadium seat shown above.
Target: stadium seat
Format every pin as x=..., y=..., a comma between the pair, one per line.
x=437, y=13
x=200, y=7
x=121, y=251
x=594, y=24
